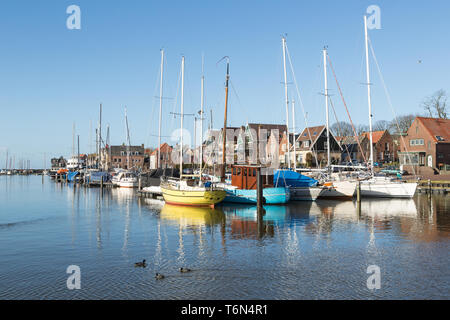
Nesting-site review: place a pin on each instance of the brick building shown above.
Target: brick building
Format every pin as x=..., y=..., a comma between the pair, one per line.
x=427, y=146
x=119, y=157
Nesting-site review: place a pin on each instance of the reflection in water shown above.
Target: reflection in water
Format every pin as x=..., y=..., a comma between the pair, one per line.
x=325, y=246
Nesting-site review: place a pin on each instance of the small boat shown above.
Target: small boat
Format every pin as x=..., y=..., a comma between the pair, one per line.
x=302, y=188
x=126, y=179
x=243, y=187
x=187, y=193
x=384, y=187
x=340, y=190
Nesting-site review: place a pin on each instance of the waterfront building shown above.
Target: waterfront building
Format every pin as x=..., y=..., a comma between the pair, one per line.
x=426, y=147
x=119, y=156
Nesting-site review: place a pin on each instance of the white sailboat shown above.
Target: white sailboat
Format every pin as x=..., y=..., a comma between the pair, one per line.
x=334, y=188
x=381, y=187
x=128, y=178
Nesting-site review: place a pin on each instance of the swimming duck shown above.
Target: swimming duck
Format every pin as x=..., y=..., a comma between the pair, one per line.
x=184, y=270
x=141, y=264
x=159, y=276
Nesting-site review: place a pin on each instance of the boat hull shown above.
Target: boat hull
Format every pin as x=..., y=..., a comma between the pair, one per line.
x=280, y=195
x=305, y=193
x=387, y=189
x=200, y=198
x=343, y=190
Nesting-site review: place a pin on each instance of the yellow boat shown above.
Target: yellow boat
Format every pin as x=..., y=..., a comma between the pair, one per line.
x=185, y=193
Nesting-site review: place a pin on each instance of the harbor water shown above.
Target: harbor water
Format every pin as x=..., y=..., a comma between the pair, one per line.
x=304, y=250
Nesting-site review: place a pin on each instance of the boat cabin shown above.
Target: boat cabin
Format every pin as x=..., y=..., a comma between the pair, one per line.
x=245, y=177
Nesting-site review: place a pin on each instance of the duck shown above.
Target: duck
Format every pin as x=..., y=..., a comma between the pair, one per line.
x=140, y=264
x=184, y=270
x=159, y=276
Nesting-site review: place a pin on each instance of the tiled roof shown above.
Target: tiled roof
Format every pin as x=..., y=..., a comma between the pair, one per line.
x=437, y=128
x=314, y=131
x=376, y=135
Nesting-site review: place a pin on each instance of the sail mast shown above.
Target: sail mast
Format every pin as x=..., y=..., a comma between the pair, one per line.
x=182, y=116
x=224, y=132
x=128, y=140
x=201, y=117
x=326, y=107
x=160, y=108
x=293, y=132
x=287, y=100
x=368, y=93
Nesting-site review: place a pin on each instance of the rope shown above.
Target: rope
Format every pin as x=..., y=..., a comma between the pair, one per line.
x=388, y=96
x=339, y=128
x=301, y=104
x=346, y=109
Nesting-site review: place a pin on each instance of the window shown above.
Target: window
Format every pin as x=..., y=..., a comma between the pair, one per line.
x=439, y=138
x=412, y=142
x=254, y=172
x=307, y=144
x=386, y=146
x=440, y=156
x=234, y=171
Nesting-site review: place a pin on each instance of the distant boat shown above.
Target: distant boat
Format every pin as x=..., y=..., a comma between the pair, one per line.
x=127, y=179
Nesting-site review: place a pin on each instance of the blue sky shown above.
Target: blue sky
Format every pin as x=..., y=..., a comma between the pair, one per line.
x=51, y=77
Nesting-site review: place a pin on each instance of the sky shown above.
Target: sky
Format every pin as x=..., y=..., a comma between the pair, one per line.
x=52, y=77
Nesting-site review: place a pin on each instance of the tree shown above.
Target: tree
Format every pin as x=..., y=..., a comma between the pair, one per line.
x=381, y=125
x=404, y=123
x=436, y=105
x=342, y=129
x=360, y=129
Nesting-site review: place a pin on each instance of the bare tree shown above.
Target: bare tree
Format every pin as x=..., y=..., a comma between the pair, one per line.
x=342, y=129
x=404, y=123
x=360, y=129
x=436, y=105
x=381, y=125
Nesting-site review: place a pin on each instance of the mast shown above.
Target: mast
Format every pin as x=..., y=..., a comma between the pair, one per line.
x=287, y=100
x=201, y=117
x=100, y=137
x=293, y=131
x=160, y=108
x=326, y=108
x=224, y=133
x=78, y=158
x=182, y=116
x=109, y=146
x=73, y=139
x=128, y=140
x=368, y=93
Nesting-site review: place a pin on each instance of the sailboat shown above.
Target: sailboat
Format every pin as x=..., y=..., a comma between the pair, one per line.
x=334, y=187
x=301, y=188
x=381, y=187
x=128, y=178
x=186, y=191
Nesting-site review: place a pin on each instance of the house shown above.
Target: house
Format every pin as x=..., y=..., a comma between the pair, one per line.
x=311, y=147
x=426, y=147
x=351, y=150
x=383, y=147
x=125, y=157
x=165, y=160
x=58, y=163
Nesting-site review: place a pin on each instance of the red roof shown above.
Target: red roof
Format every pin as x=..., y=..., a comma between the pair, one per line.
x=439, y=129
x=376, y=135
x=165, y=148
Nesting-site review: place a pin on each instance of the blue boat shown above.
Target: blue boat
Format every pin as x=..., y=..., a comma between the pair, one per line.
x=243, y=187
x=278, y=195
x=293, y=179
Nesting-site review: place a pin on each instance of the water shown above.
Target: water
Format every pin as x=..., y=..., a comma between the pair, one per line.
x=302, y=251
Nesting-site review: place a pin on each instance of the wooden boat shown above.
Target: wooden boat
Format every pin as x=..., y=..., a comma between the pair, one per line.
x=243, y=187
x=187, y=193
